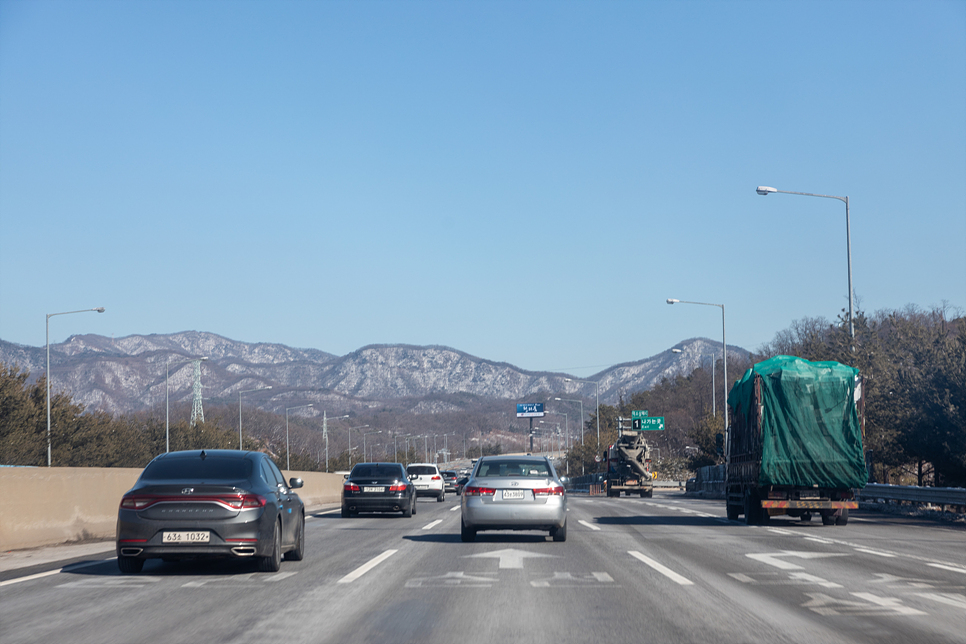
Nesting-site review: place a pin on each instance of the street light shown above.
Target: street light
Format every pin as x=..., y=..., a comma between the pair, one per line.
x=581, y=414
x=247, y=391
x=364, y=459
x=724, y=346
x=597, y=384
x=349, y=434
x=766, y=190
x=99, y=309
x=167, y=366
x=325, y=435
x=288, y=454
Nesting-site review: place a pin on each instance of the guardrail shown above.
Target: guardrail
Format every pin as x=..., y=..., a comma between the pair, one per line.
x=955, y=496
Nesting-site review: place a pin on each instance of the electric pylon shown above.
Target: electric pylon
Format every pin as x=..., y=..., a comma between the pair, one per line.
x=197, y=411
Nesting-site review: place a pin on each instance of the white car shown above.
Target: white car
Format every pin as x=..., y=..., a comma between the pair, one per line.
x=427, y=479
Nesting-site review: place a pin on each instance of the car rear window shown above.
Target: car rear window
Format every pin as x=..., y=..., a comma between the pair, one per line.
x=422, y=470
x=207, y=469
x=448, y=474
x=376, y=471
x=514, y=468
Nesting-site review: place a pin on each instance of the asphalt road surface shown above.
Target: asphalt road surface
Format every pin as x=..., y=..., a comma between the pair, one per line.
x=669, y=569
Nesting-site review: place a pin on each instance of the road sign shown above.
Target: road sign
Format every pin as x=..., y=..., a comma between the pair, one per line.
x=652, y=424
x=529, y=410
x=639, y=413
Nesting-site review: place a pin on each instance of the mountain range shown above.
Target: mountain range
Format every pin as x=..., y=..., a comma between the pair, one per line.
x=128, y=374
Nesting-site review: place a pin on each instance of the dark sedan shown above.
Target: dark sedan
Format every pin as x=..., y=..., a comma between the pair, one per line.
x=378, y=487
x=214, y=503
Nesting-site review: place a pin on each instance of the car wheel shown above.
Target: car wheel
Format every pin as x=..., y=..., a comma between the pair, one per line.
x=273, y=562
x=413, y=504
x=345, y=512
x=559, y=534
x=466, y=534
x=298, y=552
x=442, y=495
x=130, y=565
x=408, y=511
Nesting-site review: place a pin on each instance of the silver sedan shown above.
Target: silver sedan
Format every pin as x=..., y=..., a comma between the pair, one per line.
x=514, y=493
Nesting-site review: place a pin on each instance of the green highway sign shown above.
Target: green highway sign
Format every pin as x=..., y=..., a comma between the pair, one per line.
x=652, y=424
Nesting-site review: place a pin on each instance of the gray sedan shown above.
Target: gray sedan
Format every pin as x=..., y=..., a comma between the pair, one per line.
x=514, y=493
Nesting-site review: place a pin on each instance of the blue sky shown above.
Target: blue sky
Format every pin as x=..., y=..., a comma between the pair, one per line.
x=524, y=181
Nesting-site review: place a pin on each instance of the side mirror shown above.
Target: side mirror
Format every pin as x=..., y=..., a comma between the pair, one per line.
x=295, y=483
x=345, y=476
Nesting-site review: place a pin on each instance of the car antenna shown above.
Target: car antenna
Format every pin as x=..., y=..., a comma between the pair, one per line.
x=203, y=455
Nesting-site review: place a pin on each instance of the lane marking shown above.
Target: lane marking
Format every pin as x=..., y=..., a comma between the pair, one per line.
x=366, y=567
x=510, y=558
x=50, y=573
x=317, y=514
x=667, y=572
x=950, y=599
x=433, y=524
x=944, y=567
x=874, y=552
x=589, y=525
x=770, y=558
x=891, y=603
x=455, y=508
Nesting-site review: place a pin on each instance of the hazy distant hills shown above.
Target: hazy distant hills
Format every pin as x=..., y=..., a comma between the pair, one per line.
x=128, y=374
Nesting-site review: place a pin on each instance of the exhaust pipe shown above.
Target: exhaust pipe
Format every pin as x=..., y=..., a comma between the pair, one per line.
x=396, y=508
x=131, y=552
x=243, y=551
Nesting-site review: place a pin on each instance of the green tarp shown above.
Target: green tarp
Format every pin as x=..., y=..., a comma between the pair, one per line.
x=809, y=426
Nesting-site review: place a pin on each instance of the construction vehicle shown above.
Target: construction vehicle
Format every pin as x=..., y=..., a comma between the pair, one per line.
x=795, y=442
x=628, y=464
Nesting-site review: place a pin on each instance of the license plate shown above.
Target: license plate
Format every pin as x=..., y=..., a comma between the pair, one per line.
x=185, y=537
x=422, y=487
x=373, y=489
x=514, y=494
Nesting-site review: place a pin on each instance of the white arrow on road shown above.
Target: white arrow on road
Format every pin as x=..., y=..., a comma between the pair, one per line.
x=509, y=558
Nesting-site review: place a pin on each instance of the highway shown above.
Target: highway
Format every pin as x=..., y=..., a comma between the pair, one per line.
x=669, y=569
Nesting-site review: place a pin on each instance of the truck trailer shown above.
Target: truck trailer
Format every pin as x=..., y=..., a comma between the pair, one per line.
x=795, y=441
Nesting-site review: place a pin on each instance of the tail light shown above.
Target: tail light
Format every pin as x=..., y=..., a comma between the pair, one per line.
x=351, y=487
x=555, y=490
x=398, y=487
x=437, y=478
x=479, y=491
x=231, y=501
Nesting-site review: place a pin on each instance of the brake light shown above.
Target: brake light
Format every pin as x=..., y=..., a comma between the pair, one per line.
x=437, y=478
x=351, y=487
x=479, y=491
x=137, y=502
x=230, y=501
x=398, y=487
x=555, y=490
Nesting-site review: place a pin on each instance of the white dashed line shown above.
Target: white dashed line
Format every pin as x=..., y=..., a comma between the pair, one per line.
x=667, y=572
x=433, y=524
x=50, y=573
x=944, y=567
x=364, y=568
x=589, y=525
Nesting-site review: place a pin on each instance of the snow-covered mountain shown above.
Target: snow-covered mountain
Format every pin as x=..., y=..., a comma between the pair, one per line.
x=128, y=374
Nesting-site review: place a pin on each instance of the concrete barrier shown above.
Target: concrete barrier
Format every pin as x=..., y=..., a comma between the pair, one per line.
x=42, y=506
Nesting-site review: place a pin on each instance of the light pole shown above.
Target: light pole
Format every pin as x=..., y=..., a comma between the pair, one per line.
x=288, y=454
x=167, y=366
x=713, y=396
x=724, y=348
x=325, y=435
x=247, y=391
x=766, y=190
x=364, y=459
x=597, y=384
x=566, y=425
x=349, y=434
x=581, y=414
x=99, y=309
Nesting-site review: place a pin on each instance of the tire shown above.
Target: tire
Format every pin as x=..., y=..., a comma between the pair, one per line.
x=466, y=535
x=408, y=511
x=441, y=497
x=273, y=561
x=828, y=519
x=559, y=534
x=843, y=518
x=130, y=565
x=345, y=512
x=643, y=494
x=298, y=552
x=806, y=517
x=753, y=514
x=413, y=504
x=733, y=512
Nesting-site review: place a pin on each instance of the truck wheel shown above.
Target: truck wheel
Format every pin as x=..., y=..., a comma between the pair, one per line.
x=827, y=519
x=843, y=518
x=733, y=512
x=643, y=494
x=753, y=514
x=806, y=517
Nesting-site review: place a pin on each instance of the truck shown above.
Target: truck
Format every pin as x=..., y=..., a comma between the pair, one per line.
x=628, y=465
x=795, y=442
